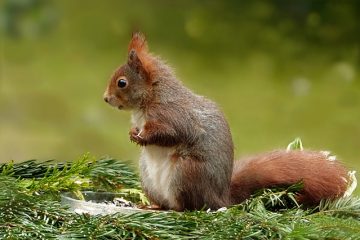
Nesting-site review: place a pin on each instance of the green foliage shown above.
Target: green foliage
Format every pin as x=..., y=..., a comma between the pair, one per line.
x=28, y=211
x=84, y=173
x=344, y=207
x=275, y=198
x=69, y=177
x=295, y=145
x=23, y=216
x=110, y=173
x=134, y=195
x=29, y=168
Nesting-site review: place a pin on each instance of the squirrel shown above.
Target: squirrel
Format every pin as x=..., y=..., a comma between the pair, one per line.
x=187, y=152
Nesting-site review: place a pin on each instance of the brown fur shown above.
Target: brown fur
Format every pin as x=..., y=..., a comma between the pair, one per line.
x=191, y=128
x=322, y=179
x=187, y=149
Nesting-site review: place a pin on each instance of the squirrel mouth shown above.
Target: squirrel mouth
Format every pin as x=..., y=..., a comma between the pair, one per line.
x=120, y=107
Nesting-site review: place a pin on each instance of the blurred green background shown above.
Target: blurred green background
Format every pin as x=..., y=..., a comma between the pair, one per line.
x=279, y=70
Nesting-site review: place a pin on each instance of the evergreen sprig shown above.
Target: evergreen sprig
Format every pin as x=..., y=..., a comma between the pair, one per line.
x=111, y=173
x=27, y=211
x=24, y=216
x=30, y=168
x=83, y=173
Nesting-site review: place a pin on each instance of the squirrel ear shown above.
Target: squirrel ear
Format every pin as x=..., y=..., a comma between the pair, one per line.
x=138, y=43
x=138, y=53
x=134, y=61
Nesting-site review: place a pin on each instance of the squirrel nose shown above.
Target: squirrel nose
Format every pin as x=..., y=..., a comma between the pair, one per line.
x=107, y=97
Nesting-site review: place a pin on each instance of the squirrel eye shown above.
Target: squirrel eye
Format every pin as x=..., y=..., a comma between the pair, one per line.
x=122, y=83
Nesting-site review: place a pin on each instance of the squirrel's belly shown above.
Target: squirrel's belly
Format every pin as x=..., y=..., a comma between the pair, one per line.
x=157, y=170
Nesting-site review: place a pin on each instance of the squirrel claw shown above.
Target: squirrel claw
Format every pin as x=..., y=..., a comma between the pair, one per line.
x=138, y=135
x=135, y=136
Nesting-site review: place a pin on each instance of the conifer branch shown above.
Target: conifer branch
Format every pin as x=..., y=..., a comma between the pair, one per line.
x=28, y=209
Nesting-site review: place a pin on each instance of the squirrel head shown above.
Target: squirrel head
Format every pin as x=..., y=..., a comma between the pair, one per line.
x=130, y=85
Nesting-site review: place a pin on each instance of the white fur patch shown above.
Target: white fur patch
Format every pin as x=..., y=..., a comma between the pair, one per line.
x=138, y=119
x=325, y=153
x=328, y=156
x=159, y=170
x=352, y=185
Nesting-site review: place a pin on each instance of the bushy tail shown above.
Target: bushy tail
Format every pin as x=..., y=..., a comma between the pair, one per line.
x=323, y=177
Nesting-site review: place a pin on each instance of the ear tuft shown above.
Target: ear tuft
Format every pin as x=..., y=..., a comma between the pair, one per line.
x=134, y=61
x=138, y=43
x=139, y=59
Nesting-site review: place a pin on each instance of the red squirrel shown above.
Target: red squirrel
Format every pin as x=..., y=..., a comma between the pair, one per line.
x=187, y=152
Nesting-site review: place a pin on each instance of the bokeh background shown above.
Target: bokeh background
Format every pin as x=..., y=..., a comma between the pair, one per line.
x=278, y=69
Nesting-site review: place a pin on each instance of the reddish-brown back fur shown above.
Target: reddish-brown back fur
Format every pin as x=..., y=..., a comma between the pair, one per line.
x=323, y=179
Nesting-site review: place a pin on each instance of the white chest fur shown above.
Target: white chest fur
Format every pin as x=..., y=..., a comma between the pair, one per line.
x=157, y=167
x=138, y=119
x=158, y=171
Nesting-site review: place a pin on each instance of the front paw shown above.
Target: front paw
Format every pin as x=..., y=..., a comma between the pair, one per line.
x=136, y=137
